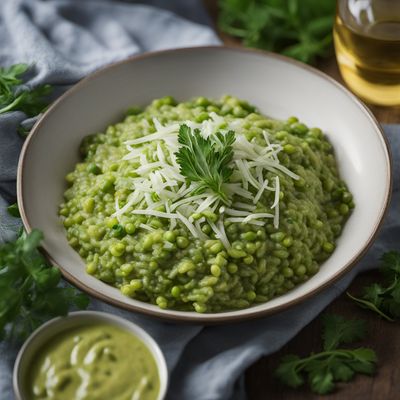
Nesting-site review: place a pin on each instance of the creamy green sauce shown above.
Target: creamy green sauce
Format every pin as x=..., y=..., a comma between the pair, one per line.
x=94, y=362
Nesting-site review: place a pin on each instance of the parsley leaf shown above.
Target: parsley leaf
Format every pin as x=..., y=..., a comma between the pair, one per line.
x=384, y=299
x=29, y=288
x=298, y=29
x=332, y=365
x=13, y=210
x=14, y=97
x=338, y=330
x=206, y=160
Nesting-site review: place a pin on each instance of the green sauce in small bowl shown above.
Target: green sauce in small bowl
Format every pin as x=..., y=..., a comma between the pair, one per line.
x=90, y=359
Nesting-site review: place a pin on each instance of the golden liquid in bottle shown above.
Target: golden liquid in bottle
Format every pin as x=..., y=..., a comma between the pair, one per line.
x=369, y=60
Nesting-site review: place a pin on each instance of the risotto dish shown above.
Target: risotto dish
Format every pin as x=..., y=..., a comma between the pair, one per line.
x=205, y=205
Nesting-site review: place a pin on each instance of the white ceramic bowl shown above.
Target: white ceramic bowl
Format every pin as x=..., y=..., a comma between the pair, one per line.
x=80, y=318
x=278, y=86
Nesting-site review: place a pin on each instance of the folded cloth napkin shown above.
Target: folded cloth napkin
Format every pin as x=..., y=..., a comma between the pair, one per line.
x=66, y=40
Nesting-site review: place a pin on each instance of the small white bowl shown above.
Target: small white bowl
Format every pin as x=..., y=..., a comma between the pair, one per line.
x=278, y=86
x=80, y=318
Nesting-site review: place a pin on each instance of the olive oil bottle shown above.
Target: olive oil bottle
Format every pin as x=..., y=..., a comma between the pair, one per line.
x=367, y=44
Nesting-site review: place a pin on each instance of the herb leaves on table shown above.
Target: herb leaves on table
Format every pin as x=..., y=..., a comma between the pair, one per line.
x=14, y=96
x=333, y=364
x=301, y=29
x=384, y=299
x=29, y=291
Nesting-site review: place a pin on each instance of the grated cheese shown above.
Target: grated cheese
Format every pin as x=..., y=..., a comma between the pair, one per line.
x=161, y=176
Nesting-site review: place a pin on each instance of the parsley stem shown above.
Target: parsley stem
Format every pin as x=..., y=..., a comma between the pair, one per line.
x=367, y=304
x=10, y=106
x=331, y=353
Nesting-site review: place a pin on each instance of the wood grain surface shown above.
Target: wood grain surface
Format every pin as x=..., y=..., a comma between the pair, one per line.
x=383, y=337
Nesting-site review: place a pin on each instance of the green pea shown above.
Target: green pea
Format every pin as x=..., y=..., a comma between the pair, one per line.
x=251, y=295
x=95, y=232
x=236, y=253
x=281, y=135
x=248, y=260
x=328, y=247
x=344, y=209
x=347, y=197
x=108, y=184
x=126, y=269
x=287, y=242
x=202, y=117
x=299, y=128
x=301, y=270
x=110, y=222
x=287, y=272
x=182, y=242
x=94, y=169
x=136, y=284
x=88, y=205
x=249, y=236
x=277, y=237
x=130, y=228
x=215, y=270
x=117, y=249
x=216, y=248
x=289, y=149
x=199, y=307
x=91, y=268
x=127, y=290
x=210, y=216
x=161, y=302
x=68, y=222
x=232, y=268
x=175, y=291
x=148, y=242
x=202, y=101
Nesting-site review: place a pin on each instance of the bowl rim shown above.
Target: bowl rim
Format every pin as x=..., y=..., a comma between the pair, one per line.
x=211, y=318
x=101, y=316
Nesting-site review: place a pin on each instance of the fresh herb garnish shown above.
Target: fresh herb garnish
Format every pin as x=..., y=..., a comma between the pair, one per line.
x=380, y=298
x=332, y=365
x=14, y=97
x=29, y=291
x=13, y=210
x=301, y=29
x=206, y=160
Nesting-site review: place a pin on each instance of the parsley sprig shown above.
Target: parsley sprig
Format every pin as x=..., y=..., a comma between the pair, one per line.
x=29, y=291
x=323, y=370
x=301, y=29
x=14, y=97
x=206, y=161
x=384, y=299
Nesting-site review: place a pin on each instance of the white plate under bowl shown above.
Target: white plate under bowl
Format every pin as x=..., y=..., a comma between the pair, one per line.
x=278, y=86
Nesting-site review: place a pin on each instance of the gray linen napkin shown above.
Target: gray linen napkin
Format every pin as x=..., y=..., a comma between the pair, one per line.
x=67, y=39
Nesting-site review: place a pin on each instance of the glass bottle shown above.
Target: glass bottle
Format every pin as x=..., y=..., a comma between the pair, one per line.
x=367, y=44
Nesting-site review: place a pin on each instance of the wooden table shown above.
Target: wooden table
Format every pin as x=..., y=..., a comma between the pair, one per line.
x=383, y=337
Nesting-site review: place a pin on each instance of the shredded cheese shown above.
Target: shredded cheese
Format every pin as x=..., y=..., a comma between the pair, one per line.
x=161, y=184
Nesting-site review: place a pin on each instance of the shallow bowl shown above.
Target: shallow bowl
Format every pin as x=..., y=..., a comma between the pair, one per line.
x=278, y=86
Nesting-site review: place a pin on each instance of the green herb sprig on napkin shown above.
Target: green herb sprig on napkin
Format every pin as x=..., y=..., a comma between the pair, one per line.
x=14, y=97
x=29, y=288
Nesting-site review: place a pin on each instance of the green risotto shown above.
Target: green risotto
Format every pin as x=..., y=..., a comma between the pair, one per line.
x=94, y=362
x=205, y=205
